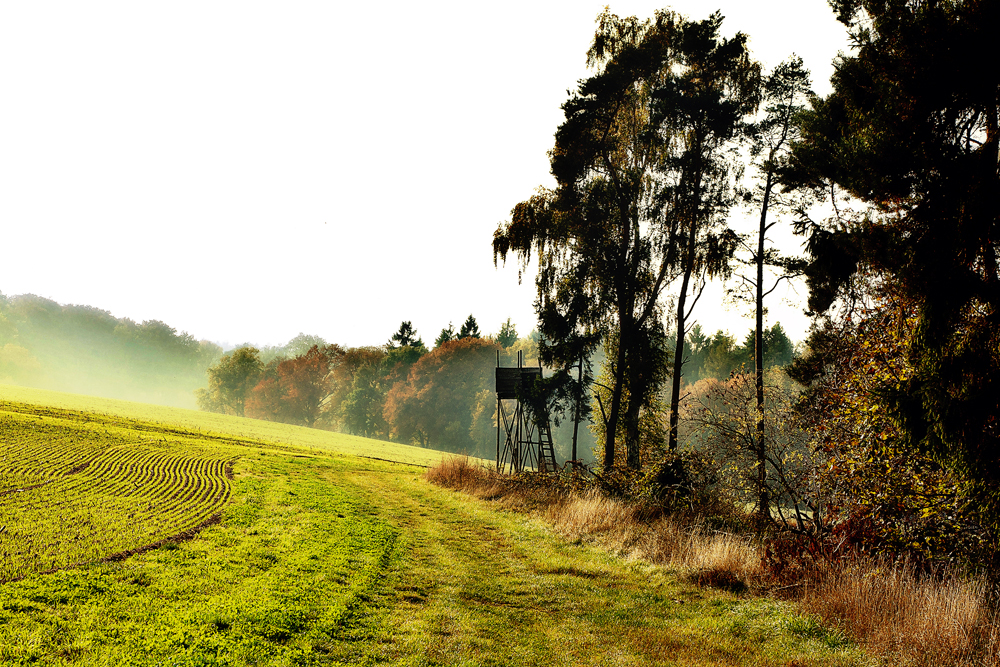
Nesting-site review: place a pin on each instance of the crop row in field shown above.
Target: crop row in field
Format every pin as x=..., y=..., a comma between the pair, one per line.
x=77, y=488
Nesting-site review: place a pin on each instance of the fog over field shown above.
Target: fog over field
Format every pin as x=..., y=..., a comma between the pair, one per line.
x=246, y=172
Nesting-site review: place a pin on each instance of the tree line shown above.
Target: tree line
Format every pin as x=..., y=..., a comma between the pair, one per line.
x=87, y=350
x=443, y=398
x=401, y=391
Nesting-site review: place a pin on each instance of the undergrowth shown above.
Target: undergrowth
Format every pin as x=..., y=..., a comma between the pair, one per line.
x=902, y=616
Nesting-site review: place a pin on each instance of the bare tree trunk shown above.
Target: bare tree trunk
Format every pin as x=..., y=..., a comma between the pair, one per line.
x=576, y=411
x=675, y=380
x=625, y=322
x=632, y=440
x=690, y=260
x=611, y=428
x=763, y=501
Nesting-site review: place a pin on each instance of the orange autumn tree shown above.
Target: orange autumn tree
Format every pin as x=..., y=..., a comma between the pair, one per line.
x=292, y=390
x=434, y=406
x=264, y=399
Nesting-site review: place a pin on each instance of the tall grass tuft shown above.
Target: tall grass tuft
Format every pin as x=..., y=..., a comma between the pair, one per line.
x=630, y=529
x=461, y=474
x=902, y=617
x=916, y=619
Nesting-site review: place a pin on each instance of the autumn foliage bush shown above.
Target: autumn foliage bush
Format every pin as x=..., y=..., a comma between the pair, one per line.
x=885, y=497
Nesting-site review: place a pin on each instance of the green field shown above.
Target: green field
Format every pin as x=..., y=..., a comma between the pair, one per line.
x=319, y=557
x=76, y=488
x=254, y=430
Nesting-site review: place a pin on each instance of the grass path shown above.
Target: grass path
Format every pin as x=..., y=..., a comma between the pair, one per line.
x=477, y=586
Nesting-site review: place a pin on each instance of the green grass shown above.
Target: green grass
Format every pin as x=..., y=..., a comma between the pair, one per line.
x=322, y=558
x=294, y=570
x=75, y=487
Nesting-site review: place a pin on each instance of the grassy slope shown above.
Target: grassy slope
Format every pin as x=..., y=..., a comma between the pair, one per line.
x=252, y=429
x=327, y=559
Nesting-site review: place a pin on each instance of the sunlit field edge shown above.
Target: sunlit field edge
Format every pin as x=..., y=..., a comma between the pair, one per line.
x=239, y=427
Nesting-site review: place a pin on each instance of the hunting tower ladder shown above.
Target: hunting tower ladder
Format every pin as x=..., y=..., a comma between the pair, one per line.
x=523, y=442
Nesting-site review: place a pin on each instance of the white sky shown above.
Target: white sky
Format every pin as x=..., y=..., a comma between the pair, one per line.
x=245, y=171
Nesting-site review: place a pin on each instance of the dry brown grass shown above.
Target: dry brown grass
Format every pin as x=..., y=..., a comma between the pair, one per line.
x=902, y=618
x=462, y=474
x=629, y=529
x=711, y=557
x=917, y=620
x=459, y=473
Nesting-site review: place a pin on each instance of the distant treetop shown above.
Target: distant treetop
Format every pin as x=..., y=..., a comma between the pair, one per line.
x=405, y=337
x=507, y=335
x=446, y=335
x=301, y=344
x=470, y=329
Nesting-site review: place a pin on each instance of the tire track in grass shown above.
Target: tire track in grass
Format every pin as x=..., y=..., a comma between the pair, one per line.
x=479, y=585
x=294, y=574
x=470, y=586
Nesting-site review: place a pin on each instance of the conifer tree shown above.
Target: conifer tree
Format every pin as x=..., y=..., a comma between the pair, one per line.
x=405, y=336
x=912, y=127
x=447, y=334
x=470, y=329
x=507, y=335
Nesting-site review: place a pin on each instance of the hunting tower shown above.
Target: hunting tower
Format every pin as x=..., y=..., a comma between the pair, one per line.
x=523, y=442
